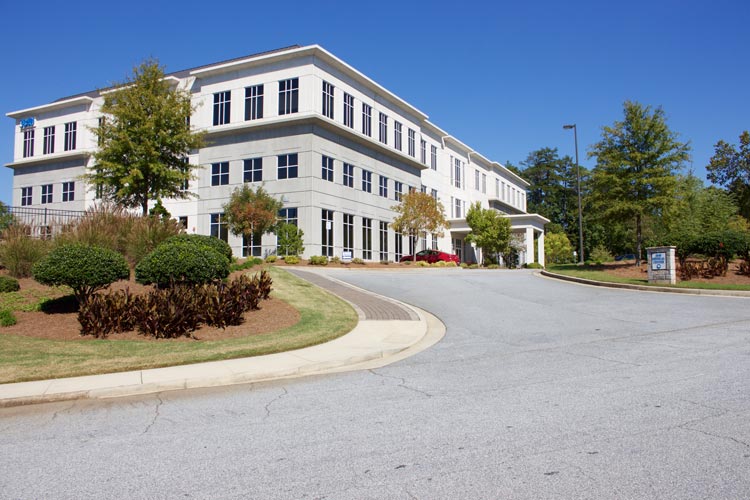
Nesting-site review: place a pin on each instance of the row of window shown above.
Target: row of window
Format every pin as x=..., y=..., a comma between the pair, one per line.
x=47, y=196
x=288, y=101
x=48, y=143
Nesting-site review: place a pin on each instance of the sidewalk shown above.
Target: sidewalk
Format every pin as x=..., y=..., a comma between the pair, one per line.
x=387, y=331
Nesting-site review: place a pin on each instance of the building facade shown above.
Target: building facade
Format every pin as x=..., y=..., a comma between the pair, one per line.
x=335, y=147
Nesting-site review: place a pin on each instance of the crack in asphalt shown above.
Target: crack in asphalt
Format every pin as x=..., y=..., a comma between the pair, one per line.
x=156, y=414
x=728, y=438
x=277, y=398
x=62, y=410
x=402, y=383
x=600, y=358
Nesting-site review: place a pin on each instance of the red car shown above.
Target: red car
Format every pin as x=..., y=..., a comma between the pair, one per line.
x=431, y=256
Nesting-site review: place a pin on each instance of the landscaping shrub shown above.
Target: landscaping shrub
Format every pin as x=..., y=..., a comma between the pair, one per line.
x=494, y=266
x=170, y=312
x=7, y=318
x=249, y=263
x=264, y=283
x=358, y=261
x=533, y=265
x=19, y=251
x=217, y=244
x=335, y=259
x=318, y=260
x=289, y=239
x=600, y=255
x=408, y=262
x=102, y=314
x=83, y=268
x=422, y=263
x=147, y=233
x=464, y=265
x=271, y=259
x=8, y=284
x=451, y=264
x=473, y=266
x=439, y=263
x=179, y=260
x=385, y=262
x=291, y=259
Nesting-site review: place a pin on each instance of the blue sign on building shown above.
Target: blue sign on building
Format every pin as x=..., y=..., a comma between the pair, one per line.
x=27, y=122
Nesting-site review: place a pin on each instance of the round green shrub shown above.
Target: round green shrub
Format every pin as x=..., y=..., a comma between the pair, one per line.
x=533, y=265
x=357, y=260
x=318, y=260
x=271, y=259
x=7, y=318
x=217, y=244
x=83, y=268
x=8, y=284
x=291, y=259
x=179, y=261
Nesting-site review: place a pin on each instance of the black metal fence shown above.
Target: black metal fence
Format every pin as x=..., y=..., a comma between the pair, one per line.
x=44, y=222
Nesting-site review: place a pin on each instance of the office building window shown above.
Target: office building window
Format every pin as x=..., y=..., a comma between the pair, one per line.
x=433, y=157
x=47, y=193
x=327, y=170
x=222, y=106
x=326, y=231
x=348, y=179
x=422, y=188
x=412, y=142
x=457, y=208
x=457, y=173
x=69, y=191
x=383, y=241
x=484, y=183
x=287, y=166
x=220, y=173
x=49, y=140
x=367, y=119
x=349, y=110
x=288, y=215
x=366, y=238
x=476, y=179
x=70, y=136
x=411, y=245
x=423, y=151
x=383, y=135
x=383, y=187
x=219, y=227
x=367, y=181
x=254, y=102
x=497, y=188
x=328, y=100
x=434, y=194
x=28, y=142
x=183, y=222
x=253, y=170
x=399, y=246
x=458, y=249
x=26, y=196
x=288, y=96
x=397, y=135
x=434, y=241
x=251, y=245
x=398, y=190
x=348, y=233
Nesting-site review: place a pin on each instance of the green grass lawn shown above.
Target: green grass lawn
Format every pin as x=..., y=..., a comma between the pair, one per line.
x=590, y=273
x=323, y=317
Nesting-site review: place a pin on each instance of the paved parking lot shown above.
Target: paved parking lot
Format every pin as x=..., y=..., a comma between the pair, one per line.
x=540, y=389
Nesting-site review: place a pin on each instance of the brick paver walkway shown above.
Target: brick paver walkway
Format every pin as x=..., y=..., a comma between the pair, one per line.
x=370, y=307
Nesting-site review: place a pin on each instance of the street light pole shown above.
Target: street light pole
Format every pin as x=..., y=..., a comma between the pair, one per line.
x=578, y=179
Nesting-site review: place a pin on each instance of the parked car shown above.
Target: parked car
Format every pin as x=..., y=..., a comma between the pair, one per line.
x=627, y=256
x=431, y=256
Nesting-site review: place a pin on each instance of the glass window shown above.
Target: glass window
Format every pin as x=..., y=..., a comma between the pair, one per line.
x=367, y=181
x=434, y=194
x=398, y=190
x=366, y=238
x=383, y=188
x=328, y=100
x=219, y=227
x=412, y=142
x=26, y=196
x=327, y=169
x=287, y=167
x=69, y=191
x=349, y=110
x=349, y=233
x=288, y=215
x=484, y=183
x=476, y=179
x=70, y=136
x=433, y=157
x=367, y=119
x=397, y=135
x=383, y=135
x=28, y=142
x=251, y=246
x=288, y=96
x=457, y=173
x=423, y=151
x=253, y=170
x=222, y=107
x=47, y=193
x=220, y=173
x=399, y=248
x=254, y=102
x=326, y=231
x=49, y=140
x=383, y=241
x=348, y=180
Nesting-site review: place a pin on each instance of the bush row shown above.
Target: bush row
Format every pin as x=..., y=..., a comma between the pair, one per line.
x=175, y=311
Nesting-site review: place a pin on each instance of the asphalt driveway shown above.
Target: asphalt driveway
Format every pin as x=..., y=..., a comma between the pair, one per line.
x=540, y=389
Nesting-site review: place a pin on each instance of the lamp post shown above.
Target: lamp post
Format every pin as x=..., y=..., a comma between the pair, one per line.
x=578, y=179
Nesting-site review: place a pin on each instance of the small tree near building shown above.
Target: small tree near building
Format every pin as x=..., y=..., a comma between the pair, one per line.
x=251, y=212
x=419, y=214
x=490, y=231
x=289, y=239
x=557, y=248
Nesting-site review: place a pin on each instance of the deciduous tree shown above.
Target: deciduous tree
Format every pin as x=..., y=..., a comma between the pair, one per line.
x=636, y=162
x=418, y=214
x=490, y=231
x=251, y=212
x=144, y=140
x=730, y=167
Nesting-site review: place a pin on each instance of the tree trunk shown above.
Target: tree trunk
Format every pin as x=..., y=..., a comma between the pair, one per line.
x=639, y=238
x=144, y=207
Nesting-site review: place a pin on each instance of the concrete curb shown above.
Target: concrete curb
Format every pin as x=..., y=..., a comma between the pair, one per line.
x=370, y=344
x=644, y=288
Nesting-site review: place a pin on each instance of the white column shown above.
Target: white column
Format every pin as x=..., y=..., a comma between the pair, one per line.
x=540, y=252
x=529, y=245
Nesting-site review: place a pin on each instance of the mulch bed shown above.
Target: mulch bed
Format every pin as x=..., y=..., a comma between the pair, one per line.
x=630, y=270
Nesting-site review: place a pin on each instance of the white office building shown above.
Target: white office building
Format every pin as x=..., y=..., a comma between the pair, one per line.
x=338, y=149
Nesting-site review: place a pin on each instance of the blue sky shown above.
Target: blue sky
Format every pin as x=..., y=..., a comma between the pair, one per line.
x=503, y=77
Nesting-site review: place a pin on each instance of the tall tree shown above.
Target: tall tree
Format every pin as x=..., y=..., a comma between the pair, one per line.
x=552, y=193
x=251, y=212
x=419, y=214
x=144, y=140
x=636, y=162
x=489, y=230
x=730, y=167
